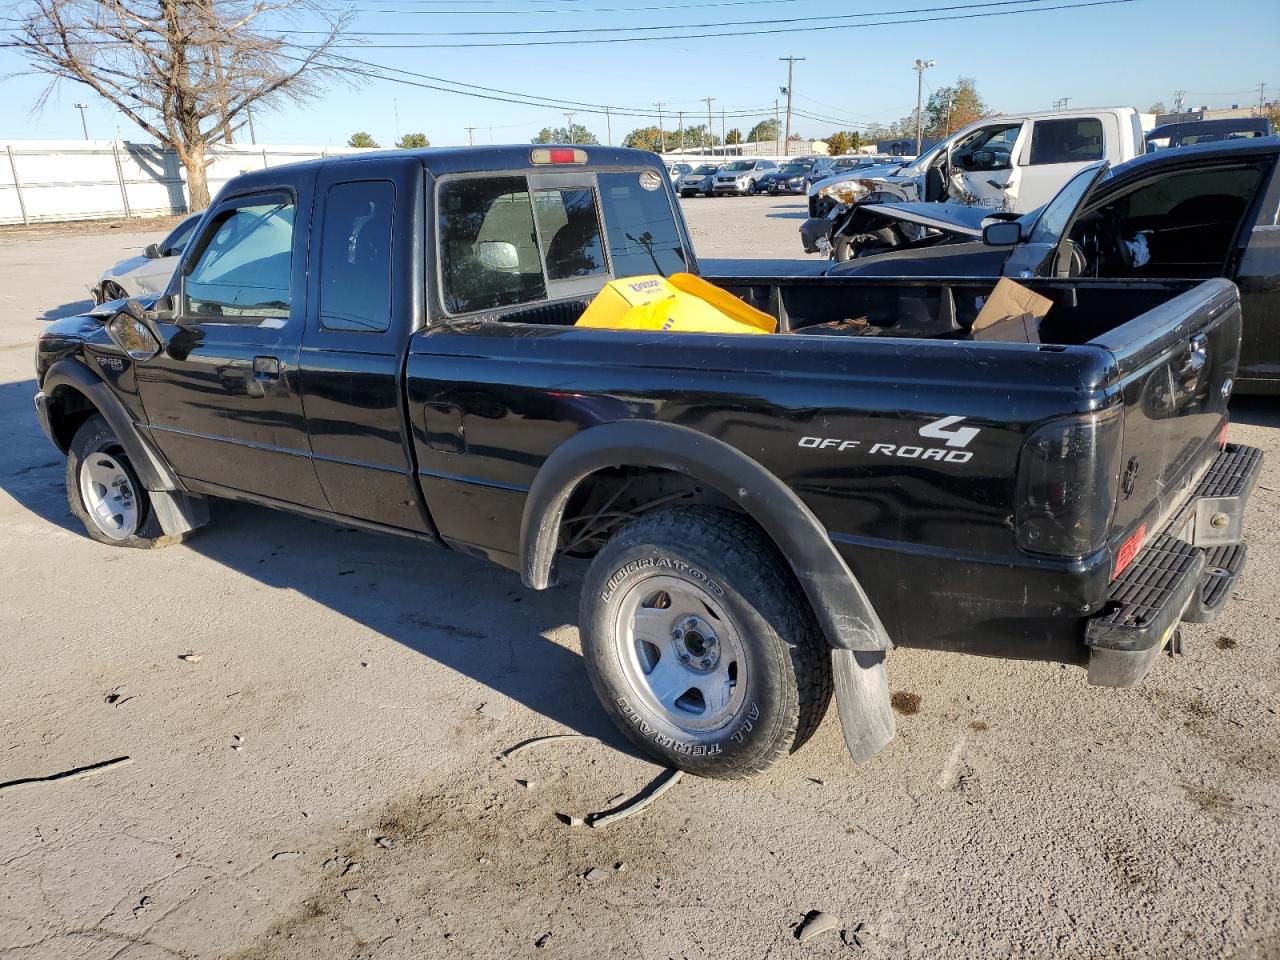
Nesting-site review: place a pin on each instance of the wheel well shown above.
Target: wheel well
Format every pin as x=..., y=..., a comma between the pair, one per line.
x=610, y=498
x=70, y=409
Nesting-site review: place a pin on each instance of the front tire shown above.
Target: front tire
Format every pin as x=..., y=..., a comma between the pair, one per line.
x=700, y=644
x=104, y=492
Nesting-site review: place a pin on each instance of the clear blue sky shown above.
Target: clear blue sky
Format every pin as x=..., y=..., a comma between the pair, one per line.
x=1134, y=53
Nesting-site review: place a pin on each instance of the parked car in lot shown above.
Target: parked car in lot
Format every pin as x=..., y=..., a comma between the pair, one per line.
x=741, y=177
x=699, y=180
x=791, y=177
x=1009, y=163
x=389, y=341
x=678, y=170
x=148, y=273
x=1206, y=211
x=1191, y=132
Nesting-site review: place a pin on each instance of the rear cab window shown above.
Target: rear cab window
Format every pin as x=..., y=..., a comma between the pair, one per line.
x=512, y=239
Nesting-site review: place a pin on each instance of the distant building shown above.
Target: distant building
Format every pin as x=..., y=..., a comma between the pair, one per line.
x=904, y=146
x=1233, y=112
x=762, y=148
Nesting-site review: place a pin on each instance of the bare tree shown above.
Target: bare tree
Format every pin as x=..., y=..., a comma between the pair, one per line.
x=185, y=71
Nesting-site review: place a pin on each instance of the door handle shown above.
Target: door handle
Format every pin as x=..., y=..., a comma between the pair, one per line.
x=999, y=186
x=1197, y=356
x=266, y=368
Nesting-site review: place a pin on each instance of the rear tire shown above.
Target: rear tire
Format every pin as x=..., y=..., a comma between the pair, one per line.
x=104, y=492
x=701, y=645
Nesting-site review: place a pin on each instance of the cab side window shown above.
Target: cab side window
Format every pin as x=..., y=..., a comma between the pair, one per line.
x=489, y=253
x=1075, y=140
x=243, y=270
x=990, y=148
x=355, y=256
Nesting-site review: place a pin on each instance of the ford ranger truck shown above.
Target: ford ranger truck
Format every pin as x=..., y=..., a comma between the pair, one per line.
x=388, y=341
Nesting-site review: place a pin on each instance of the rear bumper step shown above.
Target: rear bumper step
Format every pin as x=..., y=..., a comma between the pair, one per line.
x=1185, y=573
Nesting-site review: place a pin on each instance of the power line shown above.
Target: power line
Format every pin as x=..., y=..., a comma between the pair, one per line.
x=826, y=19
x=751, y=33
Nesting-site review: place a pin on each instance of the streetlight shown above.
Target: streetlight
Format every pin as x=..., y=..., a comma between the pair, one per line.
x=82, y=107
x=921, y=67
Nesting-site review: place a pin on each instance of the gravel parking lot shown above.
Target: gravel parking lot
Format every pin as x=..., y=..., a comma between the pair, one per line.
x=321, y=775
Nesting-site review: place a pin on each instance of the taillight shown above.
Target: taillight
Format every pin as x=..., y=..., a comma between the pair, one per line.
x=1068, y=478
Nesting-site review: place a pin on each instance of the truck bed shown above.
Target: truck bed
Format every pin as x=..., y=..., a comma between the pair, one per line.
x=844, y=421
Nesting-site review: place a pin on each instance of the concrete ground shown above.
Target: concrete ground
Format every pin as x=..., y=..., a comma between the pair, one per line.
x=323, y=778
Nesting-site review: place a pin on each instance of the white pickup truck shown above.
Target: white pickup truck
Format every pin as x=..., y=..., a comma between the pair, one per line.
x=1010, y=164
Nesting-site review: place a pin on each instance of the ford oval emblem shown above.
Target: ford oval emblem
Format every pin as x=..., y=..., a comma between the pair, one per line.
x=1227, y=385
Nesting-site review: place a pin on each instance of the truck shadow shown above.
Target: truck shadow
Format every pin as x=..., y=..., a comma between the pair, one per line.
x=1257, y=411
x=460, y=611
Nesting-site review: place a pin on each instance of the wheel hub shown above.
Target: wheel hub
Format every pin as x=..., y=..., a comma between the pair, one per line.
x=695, y=642
x=681, y=655
x=108, y=495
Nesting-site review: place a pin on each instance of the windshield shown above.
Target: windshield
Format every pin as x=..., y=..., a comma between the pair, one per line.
x=922, y=162
x=796, y=169
x=741, y=165
x=1057, y=212
x=707, y=168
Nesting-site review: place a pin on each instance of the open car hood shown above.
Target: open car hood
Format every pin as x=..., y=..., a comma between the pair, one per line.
x=953, y=218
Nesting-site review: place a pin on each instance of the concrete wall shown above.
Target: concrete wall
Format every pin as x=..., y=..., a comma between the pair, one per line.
x=88, y=179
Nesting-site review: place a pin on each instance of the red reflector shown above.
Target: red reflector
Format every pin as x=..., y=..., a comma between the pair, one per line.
x=1128, y=550
x=1222, y=436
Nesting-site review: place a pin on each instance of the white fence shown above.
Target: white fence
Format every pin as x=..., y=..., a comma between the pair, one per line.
x=88, y=179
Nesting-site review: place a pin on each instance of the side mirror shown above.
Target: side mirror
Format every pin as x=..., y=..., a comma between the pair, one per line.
x=499, y=255
x=134, y=331
x=1004, y=233
x=152, y=251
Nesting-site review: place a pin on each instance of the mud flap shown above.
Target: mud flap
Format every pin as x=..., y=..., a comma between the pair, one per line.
x=862, y=696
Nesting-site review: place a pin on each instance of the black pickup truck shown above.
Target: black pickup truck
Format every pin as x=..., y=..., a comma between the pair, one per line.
x=389, y=341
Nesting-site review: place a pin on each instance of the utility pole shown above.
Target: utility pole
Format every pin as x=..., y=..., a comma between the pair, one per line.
x=82, y=107
x=680, y=127
x=1177, y=102
x=253, y=137
x=791, y=62
x=662, y=137
x=921, y=67
x=1061, y=103
x=569, y=117
x=608, y=126
x=1262, y=98
x=471, y=140
x=711, y=137
x=723, y=151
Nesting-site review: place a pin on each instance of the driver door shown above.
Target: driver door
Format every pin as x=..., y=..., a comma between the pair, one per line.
x=223, y=397
x=982, y=166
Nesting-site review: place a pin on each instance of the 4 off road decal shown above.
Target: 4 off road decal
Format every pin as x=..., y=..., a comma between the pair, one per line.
x=954, y=439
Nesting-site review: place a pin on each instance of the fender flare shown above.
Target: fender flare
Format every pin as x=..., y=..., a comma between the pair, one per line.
x=838, y=600
x=151, y=468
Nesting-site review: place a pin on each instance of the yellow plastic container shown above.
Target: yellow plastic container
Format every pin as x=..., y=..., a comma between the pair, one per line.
x=680, y=303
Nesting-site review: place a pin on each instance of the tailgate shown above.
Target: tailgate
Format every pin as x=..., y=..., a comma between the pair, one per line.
x=1176, y=364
